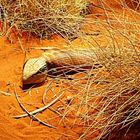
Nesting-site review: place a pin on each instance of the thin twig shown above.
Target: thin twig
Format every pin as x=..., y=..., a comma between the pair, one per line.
x=29, y=114
x=5, y=93
x=40, y=109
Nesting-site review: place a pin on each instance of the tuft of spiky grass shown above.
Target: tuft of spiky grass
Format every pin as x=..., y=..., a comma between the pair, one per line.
x=111, y=100
x=45, y=17
x=114, y=103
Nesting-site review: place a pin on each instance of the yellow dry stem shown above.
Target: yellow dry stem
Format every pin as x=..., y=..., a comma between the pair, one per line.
x=45, y=17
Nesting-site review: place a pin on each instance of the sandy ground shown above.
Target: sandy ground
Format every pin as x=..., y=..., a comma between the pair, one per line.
x=13, y=54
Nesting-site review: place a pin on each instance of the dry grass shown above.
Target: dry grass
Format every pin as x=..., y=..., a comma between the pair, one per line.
x=106, y=100
x=44, y=17
x=114, y=103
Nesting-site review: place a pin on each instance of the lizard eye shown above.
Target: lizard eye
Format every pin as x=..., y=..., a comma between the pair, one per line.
x=42, y=69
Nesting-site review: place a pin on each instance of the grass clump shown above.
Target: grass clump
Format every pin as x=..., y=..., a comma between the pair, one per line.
x=113, y=105
x=44, y=18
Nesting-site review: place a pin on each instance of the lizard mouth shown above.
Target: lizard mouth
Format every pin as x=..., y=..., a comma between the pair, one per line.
x=38, y=77
x=35, y=79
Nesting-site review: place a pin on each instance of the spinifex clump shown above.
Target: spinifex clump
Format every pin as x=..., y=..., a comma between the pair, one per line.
x=45, y=17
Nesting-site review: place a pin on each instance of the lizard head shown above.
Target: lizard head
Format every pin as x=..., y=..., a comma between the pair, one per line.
x=34, y=71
